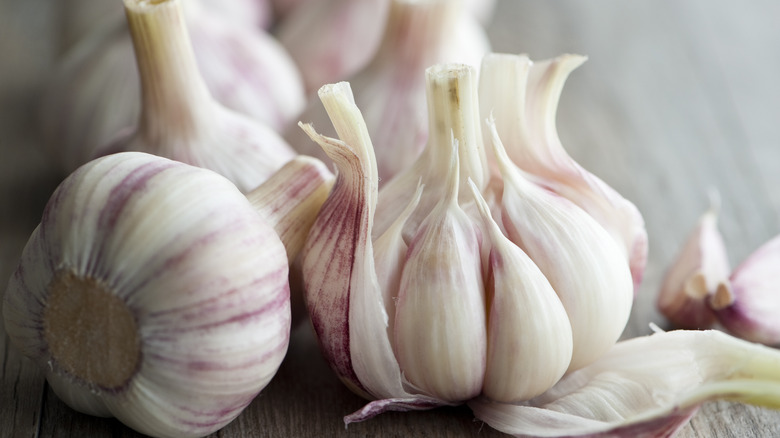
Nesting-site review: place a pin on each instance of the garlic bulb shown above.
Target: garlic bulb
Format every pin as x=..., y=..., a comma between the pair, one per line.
x=80, y=17
x=699, y=273
x=522, y=96
x=390, y=90
x=330, y=40
x=154, y=292
x=750, y=307
x=453, y=265
x=95, y=92
x=179, y=119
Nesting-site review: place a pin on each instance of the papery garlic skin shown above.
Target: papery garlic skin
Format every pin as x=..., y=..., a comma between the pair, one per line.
x=750, y=307
x=390, y=89
x=179, y=119
x=199, y=277
x=646, y=386
x=94, y=93
x=522, y=96
x=699, y=273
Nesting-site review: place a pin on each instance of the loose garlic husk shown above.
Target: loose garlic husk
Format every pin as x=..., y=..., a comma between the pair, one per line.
x=522, y=96
x=749, y=308
x=330, y=40
x=390, y=90
x=699, y=273
x=442, y=341
x=179, y=119
x=154, y=292
x=81, y=17
x=95, y=92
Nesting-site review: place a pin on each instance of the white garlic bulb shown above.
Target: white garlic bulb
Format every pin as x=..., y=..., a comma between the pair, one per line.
x=154, y=292
x=81, y=17
x=179, y=119
x=95, y=92
x=330, y=40
x=448, y=305
x=451, y=265
x=390, y=90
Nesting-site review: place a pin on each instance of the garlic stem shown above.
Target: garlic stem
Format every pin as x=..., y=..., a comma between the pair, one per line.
x=291, y=198
x=173, y=92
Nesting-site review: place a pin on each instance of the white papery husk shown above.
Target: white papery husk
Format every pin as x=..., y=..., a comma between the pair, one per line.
x=203, y=275
x=645, y=387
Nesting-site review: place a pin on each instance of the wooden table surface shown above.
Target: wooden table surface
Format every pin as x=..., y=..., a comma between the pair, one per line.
x=677, y=98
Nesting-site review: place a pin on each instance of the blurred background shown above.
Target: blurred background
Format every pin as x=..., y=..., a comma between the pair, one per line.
x=677, y=99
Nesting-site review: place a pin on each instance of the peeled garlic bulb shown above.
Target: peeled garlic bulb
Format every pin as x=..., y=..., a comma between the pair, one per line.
x=332, y=39
x=81, y=17
x=152, y=291
x=390, y=90
x=179, y=119
x=452, y=308
x=522, y=96
x=95, y=91
x=699, y=273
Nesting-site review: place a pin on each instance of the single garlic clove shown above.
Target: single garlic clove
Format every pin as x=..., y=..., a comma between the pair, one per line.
x=440, y=325
x=94, y=92
x=390, y=90
x=343, y=297
x=645, y=386
x=451, y=91
x=152, y=291
x=750, y=307
x=523, y=96
x=585, y=266
x=529, y=334
x=179, y=119
x=699, y=271
x=332, y=39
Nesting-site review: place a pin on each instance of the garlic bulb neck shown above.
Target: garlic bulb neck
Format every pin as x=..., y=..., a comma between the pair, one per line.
x=90, y=332
x=172, y=90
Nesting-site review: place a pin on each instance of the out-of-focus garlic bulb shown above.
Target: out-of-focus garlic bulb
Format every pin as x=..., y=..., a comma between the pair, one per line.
x=157, y=293
x=510, y=302
x=95, y=92
x=81, y=17
x=390, y=90
x=179, y=119
x=330, y=40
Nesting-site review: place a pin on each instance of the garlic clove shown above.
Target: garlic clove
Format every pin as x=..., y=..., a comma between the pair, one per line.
x=749, y=308
x=330, y=40
x=390, y=90
x=646, y=386
x=523, y=96
x=179, y=119
x=94, y=92
x=585, y=266
x=152, y=291
x=440, y=325
x=699, y=271
x=451, y=91
x=529, y=334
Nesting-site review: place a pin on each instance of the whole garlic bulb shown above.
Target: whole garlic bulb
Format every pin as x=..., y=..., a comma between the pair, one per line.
x=154, y=292
x=419, y=323
x=390, y=90
x=95, y=91
x=179, y=119
x=81, y=17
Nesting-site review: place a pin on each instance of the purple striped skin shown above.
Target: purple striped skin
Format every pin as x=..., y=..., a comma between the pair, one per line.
x=205, y=278
x=341, y=231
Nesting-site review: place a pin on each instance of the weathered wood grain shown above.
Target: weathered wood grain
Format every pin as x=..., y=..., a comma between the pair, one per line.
x=677, y=99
